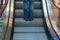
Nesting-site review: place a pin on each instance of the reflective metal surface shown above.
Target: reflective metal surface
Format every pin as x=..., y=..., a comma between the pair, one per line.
x=37, y=13
x=52, y=19
x=5, y=21
x=10, y=24
x=47, y=18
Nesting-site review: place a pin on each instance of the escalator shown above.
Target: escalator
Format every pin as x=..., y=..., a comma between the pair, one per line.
x=35, y=29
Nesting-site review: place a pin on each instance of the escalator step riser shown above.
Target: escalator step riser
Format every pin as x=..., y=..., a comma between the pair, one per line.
x=35, y=22
x=37, y=5
x=19, y=13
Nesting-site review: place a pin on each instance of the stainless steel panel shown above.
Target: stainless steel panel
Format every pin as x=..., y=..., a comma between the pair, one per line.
x=19, y=4
x=36, y=14
x=5, y=20
x=36, y=22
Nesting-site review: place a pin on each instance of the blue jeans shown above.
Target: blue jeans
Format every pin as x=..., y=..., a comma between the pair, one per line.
x=28, y=12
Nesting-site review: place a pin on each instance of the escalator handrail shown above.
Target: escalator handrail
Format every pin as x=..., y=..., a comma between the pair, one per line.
x=46, y=4
x=55, y=4
x=52, y=20
x=2, y=10
x=46, y=18
x=4, y=4
x=5, y=20
x=10, y=24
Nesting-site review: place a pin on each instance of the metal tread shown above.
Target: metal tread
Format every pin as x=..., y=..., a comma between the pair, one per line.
x=35, y=22
x=19, y=5
x=22, y=0
x=36, y=14
x=29, y=36
x=28, y=29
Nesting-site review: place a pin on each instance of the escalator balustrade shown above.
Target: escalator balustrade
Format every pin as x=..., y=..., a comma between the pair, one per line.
x=2, y=7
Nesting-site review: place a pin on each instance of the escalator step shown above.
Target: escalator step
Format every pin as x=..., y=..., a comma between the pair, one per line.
x=29, y=36
x=22, y=0
x=19, y=29
x=1, y=21
x=19, y=5
x=35, y=22
x=0, y=29
x=19, y=13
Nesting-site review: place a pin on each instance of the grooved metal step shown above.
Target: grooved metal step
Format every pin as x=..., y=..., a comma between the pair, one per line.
x=36, y=14
x=22, y=0
x=29, y=36
x=29, y=29
x=35, y=22
x=19, y=4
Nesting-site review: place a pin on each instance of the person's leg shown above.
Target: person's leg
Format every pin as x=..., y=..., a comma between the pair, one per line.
x=25, y=2
x=31, y=3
